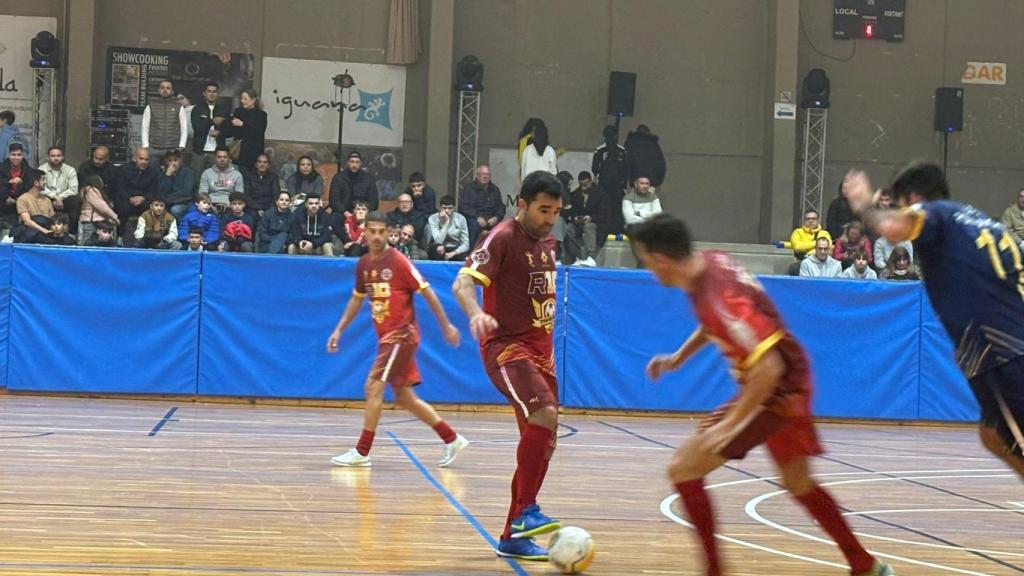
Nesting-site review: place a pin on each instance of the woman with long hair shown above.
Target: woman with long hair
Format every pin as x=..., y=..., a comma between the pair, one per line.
x=249, y=125
x=96, y=208
x=526, y=135
x=539, y=155
x=306, y=181
x=899, y=266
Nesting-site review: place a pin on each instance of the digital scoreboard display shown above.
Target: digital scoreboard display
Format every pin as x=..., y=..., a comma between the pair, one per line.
x=869, y=19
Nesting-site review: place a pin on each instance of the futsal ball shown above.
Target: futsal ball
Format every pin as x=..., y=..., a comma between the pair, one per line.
x=571, y=549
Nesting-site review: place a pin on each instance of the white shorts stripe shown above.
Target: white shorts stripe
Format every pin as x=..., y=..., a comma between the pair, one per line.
x=387, y=367
x=508, y=383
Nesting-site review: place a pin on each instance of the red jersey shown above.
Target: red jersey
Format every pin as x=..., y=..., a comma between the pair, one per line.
x=391, y=281
x=737, y=315
x=518, y=275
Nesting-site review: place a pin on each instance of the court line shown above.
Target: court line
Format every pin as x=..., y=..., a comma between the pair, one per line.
x=39, y=435
x=153, y=568
x=455, y=503
x=163, y=421
x=751, y=510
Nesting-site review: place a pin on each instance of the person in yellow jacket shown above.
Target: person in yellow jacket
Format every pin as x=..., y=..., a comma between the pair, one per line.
x=802, y=240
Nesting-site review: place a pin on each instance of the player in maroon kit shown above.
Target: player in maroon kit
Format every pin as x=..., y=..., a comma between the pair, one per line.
x=773, y=406
x=390, y=280
x=515, y=263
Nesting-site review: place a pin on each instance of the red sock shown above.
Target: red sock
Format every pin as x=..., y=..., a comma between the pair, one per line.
x=698, y=508
x=530, y=464
x=365, y=442
x=445, y=432
x=823, y=508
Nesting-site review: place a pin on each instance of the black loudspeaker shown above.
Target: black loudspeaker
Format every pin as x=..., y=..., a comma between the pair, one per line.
x=949, y=109
x=621, y=93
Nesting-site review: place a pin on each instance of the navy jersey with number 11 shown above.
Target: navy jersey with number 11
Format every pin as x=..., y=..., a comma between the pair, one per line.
x=973, y=273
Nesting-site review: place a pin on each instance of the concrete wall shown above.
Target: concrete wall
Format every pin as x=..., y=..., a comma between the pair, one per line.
x=883, y=96
x=700, y=81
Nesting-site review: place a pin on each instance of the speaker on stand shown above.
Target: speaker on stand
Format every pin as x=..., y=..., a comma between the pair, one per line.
x=949, y=116
x=621, y=95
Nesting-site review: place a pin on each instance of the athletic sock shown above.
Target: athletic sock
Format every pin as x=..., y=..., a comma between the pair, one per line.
x=698, y=509
x=365, y=442
x=445, y=432
x=533, y=444
x=513, y=511
x=823, y=508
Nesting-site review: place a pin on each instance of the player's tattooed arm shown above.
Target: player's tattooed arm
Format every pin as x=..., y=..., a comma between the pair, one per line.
x=668, y=362
x=351, y=309
x=480, y=323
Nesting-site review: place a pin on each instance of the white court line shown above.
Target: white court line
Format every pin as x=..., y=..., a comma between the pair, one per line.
x=751, y=510
x=666, y=510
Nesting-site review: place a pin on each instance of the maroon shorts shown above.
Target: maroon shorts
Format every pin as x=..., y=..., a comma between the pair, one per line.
x=785, y=438
x=527, y=386
x=395, y=364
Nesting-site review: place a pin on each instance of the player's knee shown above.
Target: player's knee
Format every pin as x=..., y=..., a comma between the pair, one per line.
x=545, y=416
x=404, y=397
x=373, y=391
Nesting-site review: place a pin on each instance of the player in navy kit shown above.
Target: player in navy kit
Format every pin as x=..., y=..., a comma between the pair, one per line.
x=974, y=275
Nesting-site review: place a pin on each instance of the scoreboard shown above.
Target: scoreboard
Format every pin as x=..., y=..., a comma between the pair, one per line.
x=869, y=19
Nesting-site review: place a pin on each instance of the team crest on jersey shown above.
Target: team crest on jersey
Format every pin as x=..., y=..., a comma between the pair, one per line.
x=386, y=274
x=544, y=314
x=381, y=310
x=481, y=256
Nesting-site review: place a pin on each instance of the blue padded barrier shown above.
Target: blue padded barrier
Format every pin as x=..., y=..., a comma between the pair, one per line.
x=862, y=339
x=93, y=320
x=944, y=392
x=265, y=335
x=5, y=308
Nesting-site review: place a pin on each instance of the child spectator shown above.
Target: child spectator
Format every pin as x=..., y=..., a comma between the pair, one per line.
x=157, y=228
x=59, y=235
x=195, y=240
x=394, y=236
x=201, y=217
x=860, y=269
x=275, y=226
x=899, y=266
x=355, y=224
x=103, y=236
x=237, y=226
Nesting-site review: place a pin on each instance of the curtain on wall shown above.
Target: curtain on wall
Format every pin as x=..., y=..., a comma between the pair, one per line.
x=403, y=32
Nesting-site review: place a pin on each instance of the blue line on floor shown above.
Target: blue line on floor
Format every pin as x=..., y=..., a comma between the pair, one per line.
x=455, y=503
x=164, y=420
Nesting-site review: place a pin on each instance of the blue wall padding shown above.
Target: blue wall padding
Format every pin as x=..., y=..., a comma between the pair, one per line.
x=88, y=320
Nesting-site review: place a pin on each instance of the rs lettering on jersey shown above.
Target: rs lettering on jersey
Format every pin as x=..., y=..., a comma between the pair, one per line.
x=542, y=282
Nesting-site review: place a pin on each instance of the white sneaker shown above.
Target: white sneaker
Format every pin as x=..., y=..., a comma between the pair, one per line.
x=352, y=458
x=589, y=262
x=451, y=450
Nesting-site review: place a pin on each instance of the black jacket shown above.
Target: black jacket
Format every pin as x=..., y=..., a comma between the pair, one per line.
x=201, y=122
x=839, y=215
x=611, y=168
x=107, y=173
x=273, y=223
x=260, y=191
x=315, y=228
x=596, y=205
x=478, y=201
x=347, y=187
x=415, y=217
x=645, y=157
x=251, y=132
x=6, y=190
x=130, y=181
x=427, y=203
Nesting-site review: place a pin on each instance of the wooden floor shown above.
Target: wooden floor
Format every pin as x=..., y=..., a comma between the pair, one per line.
x=109, y=486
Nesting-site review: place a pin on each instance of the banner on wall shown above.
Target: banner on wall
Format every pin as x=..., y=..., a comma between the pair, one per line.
x=302, y=102
x=16, y=84
x=134, y=74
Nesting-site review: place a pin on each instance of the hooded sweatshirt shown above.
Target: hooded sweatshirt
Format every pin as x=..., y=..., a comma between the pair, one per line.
x=313, y=227
x=645, y=157
x=851, y=274
x=811, y=267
